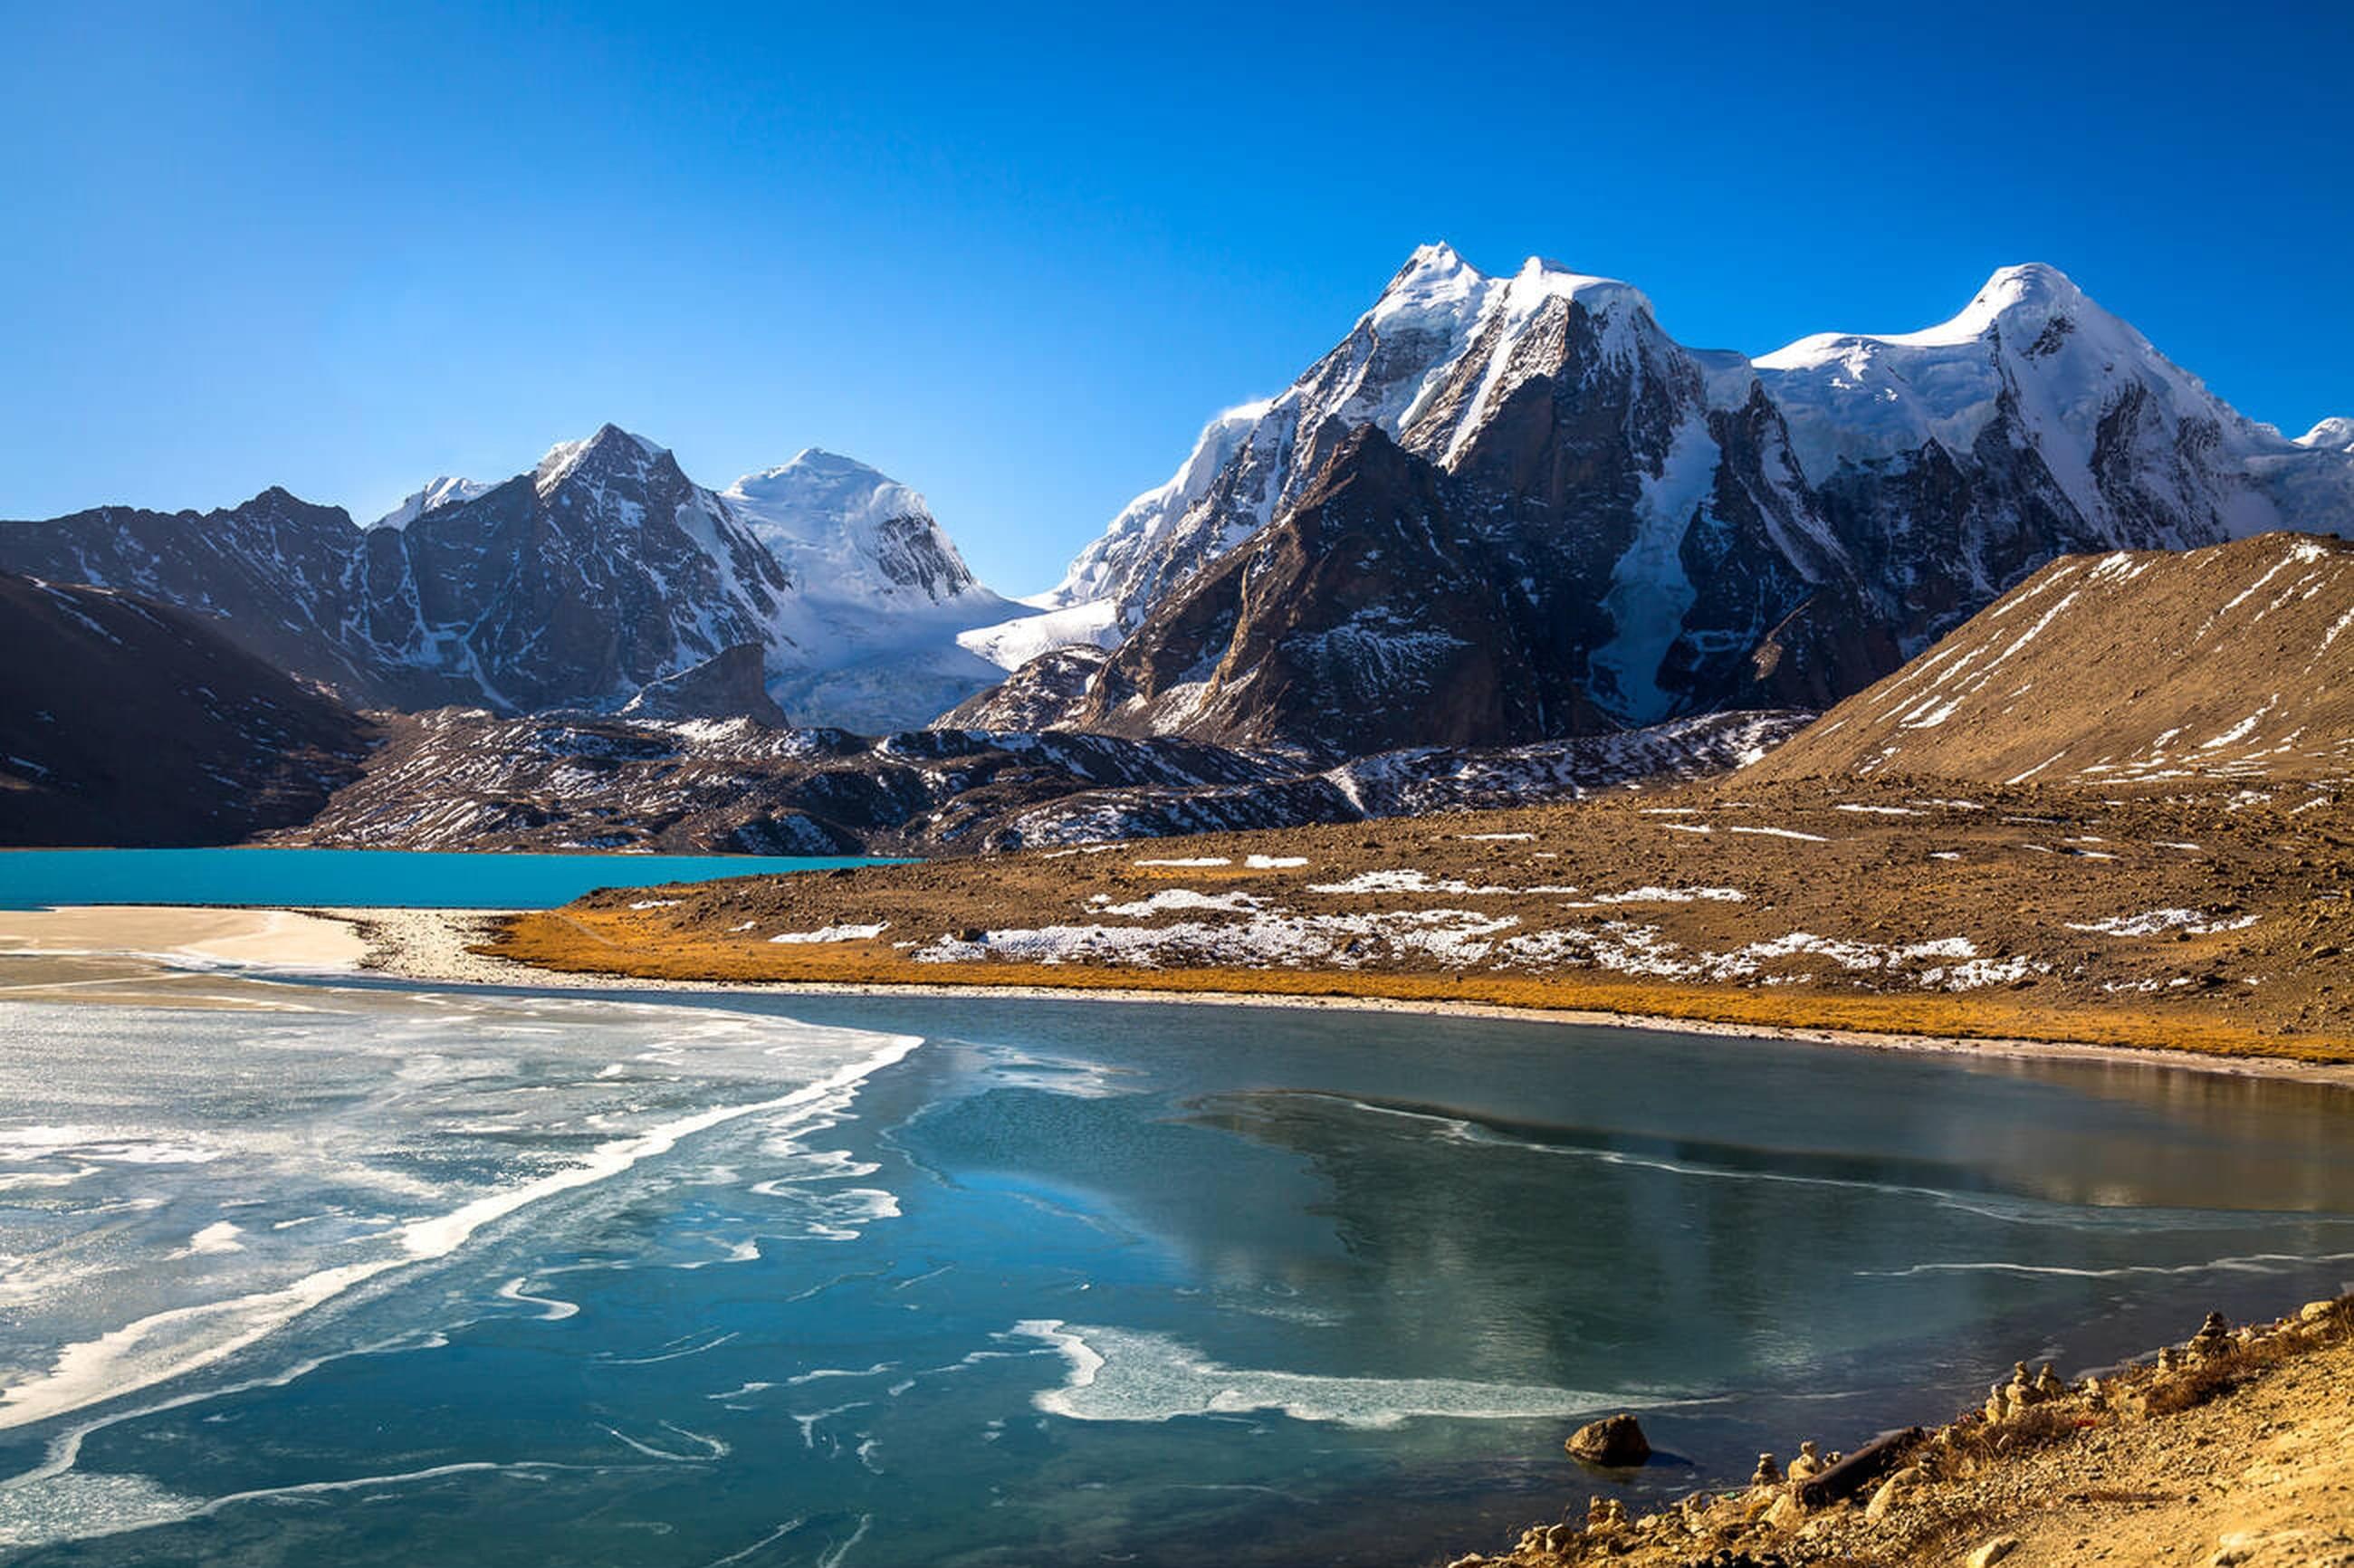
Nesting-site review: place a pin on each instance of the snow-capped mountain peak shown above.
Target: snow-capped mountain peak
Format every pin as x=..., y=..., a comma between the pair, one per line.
x=882, y=596
x=850, y=532
x=2034, y=292
x=1435, y=280
x=2138, y=448
x=1441, y=349
x=443, y=490
x=819, y=491
x=2335, y=434
x=1540, y=279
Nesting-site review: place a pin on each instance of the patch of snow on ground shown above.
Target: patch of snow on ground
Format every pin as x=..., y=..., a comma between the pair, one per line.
x=1398, y=881
x=1201, y=861
x=1274, y=862
x=1782, y=833
x=1271, y=937
x=2157, y=922
x=1183, y=898
x=834, y=934
x=1664, y=895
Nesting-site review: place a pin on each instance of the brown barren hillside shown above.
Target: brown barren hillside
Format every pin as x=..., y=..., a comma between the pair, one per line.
x=2140, y=667
x=2020, y=913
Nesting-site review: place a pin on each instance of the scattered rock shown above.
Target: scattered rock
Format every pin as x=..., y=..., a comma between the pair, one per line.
x=1993, y=1551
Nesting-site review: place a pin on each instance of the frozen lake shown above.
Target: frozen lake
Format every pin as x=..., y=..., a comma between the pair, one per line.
x=399, y=1276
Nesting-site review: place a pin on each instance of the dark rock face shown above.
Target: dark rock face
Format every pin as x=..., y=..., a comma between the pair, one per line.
x=287, y=581
x=1040, y=695
x=727, y=685
x=911, y=551
x=130, y=723
x=605, y=571
x=1602, y=549
x=1359, y=623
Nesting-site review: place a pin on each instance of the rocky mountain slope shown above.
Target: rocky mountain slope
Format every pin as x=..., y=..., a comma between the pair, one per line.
x=1529, y=475
x=601, y=573
x=466, y=779
x=2235, y=661
x=131, y=723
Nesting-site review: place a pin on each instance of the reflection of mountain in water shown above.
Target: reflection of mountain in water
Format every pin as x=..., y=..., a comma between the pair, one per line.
x=1543, y=1251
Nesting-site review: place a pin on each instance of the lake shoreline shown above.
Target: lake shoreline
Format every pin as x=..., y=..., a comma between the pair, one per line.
x=2231, y=1447
x=438, y=947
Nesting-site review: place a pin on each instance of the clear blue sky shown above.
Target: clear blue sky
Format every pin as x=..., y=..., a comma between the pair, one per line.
x=1016, y=256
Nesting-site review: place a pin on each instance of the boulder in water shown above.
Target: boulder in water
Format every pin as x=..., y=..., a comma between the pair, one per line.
x=1614, y=1442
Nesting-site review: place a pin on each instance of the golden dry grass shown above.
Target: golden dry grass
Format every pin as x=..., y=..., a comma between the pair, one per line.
x=589, y=940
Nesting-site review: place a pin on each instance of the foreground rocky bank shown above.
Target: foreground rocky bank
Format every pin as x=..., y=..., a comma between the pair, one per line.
x=2236, y=1448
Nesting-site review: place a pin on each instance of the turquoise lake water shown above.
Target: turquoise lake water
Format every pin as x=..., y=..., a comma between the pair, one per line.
x=387, y=1275
x=379, y=878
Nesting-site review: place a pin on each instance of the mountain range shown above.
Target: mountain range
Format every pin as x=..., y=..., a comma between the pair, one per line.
x=1502, y=510
x=601, y=577
x=1507, y=508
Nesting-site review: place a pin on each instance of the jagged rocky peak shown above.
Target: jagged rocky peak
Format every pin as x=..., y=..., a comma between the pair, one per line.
x=1437, y=281
x=442, y=490
x=847, y=531
x=612, y=455
x=1441, y=349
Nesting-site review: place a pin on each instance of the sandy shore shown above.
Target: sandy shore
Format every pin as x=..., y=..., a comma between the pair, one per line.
x=166, y=955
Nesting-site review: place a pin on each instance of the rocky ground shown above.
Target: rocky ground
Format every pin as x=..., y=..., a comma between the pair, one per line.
x=2218, y=922
x=465, y=780
x=2234, y=1448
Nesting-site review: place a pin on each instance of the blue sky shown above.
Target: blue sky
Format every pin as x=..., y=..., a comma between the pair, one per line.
x=1015, y=257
